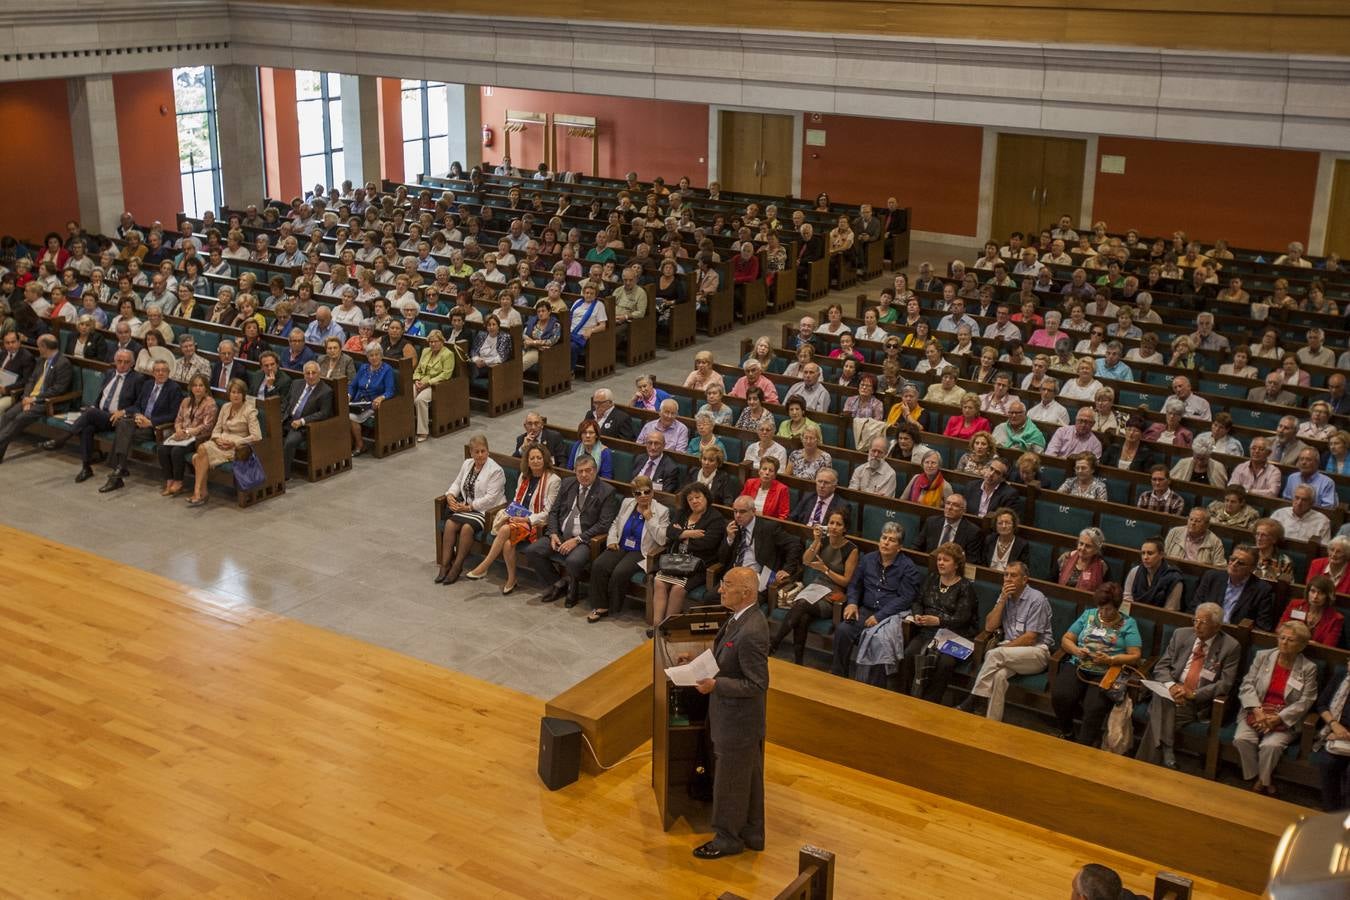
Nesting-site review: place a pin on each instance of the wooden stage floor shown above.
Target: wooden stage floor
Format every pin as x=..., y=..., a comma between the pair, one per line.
x=159, y=742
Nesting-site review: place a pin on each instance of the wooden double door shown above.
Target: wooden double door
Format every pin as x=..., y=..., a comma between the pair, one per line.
x=1037, y=179
x=1338, y=216
x=755, y=153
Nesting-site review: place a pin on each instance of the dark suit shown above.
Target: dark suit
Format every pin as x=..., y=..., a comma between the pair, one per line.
x=667, y=476
x=317, y=407
x=550, y=439
x=111, y=348
x=774, y=547
x=725, y=487
x=863, y=234
x=95, y=418
x=21, y=364
x=892, y=221
x=95, y=347
x=602, y=505
x=237, y=369
x=967, y=534
x=163, y=411
x=56, y=375
x=1142, y=462
x=810, y=251
x=1004, y=495
x=806, y=505
x=1218, y=674
x=736, y=723
x=618, y=424
x=281, y=385
x=1021, y=550
x=1256, y=602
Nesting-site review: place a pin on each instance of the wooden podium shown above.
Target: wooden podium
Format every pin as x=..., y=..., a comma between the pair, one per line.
x=680, y=742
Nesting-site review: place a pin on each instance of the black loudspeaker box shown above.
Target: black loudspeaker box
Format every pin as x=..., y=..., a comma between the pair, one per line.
x=559, y=752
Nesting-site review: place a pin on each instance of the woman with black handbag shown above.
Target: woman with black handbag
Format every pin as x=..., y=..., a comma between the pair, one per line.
x=693, y=538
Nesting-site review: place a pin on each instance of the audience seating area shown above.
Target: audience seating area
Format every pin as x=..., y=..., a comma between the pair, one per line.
x=737, y=259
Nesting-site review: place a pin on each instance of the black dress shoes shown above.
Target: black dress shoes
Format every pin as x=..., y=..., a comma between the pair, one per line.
x=114, y=483
x=712, y=850
x=85, y=474
x=555, y=591
x=51, y=445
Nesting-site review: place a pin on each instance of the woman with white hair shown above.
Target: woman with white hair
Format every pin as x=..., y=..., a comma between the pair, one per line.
x=1170, y=430
x=1276, y=694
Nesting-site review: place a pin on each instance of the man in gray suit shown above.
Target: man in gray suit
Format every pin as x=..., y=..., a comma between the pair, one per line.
x=736, y=713
x=1201, y=663
x=1272, y=391
x=866, y=228
x=52, y=376
x=585, y=508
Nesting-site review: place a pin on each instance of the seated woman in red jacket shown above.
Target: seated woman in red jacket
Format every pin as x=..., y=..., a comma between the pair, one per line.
x=1317, y=610
x=1335, y=565
x=770, y=494
x=970, y=421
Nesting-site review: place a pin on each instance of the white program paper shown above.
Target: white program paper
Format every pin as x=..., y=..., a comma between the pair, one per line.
x=814, y=592
x=1162, y=688
x=691, y=673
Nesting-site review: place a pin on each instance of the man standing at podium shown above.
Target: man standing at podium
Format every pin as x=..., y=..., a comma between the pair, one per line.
x=736, y=719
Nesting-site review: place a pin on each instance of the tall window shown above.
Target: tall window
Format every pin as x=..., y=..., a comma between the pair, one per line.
x=194, y=94
x=318, y=104
x=426, y=139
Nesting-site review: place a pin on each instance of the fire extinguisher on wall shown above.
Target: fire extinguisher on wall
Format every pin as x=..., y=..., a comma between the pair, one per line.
x=487, y=136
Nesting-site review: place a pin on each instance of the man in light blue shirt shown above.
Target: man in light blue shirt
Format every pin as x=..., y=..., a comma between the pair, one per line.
x=1110, y=365
x=1323, y=488
x=1023, y=613
x=323, y=327
x=956, y=317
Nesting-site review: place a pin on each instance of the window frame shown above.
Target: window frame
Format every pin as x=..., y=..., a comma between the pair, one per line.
x=324, y=99
x=423, y=89
x=211, y=111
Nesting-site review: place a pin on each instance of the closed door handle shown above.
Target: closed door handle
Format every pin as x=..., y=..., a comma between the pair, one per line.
x=1033, y=195
x=764, y=167
x=1044, y=193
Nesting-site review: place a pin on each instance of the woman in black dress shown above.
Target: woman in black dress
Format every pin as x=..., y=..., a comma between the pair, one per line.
x=697, y=529
x=831, y=559
x=946, y=600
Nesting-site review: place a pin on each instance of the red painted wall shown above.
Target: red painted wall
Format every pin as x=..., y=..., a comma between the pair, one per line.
x=651, y=137
x=391, y=128
x=148, y=144
x=1249, y=196
x=37, y=163
x=935, y=169
x=281, y=133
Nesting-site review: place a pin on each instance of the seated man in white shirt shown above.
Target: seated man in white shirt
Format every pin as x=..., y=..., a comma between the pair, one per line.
x=876, y=475
x=1300, y=521
x=1197, y=407
x=1049, y=410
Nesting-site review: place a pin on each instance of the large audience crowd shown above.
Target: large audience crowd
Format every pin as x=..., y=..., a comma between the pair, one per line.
x=371, y=271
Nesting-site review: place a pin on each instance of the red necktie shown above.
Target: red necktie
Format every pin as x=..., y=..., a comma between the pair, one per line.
x=1193, y=668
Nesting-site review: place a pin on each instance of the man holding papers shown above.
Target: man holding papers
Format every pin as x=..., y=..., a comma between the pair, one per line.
x=736, y=706
x=1199, y=665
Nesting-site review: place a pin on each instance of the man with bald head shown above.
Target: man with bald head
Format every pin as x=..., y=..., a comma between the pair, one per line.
x=736, y=718
x=116, y=395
